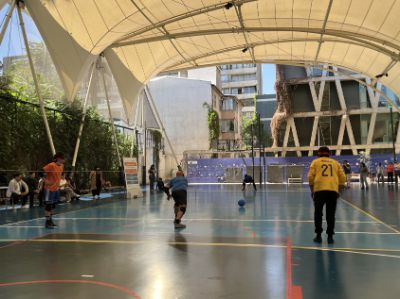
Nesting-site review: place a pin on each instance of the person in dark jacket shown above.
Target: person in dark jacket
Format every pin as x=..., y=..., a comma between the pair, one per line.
x=32, y=183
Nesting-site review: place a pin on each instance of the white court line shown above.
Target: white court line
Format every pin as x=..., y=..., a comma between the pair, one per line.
x=167, y=232
x=370, y=216
x=21, y=226
x=207, y=219
x=366, y=233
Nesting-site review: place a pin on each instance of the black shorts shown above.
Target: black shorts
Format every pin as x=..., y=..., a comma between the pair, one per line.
x=180, y=197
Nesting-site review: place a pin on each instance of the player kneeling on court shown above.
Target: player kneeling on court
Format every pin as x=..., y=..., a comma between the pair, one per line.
x=179, y=185
x=326, y=179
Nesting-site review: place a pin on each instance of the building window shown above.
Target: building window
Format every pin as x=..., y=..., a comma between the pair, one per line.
x=250, y=89
x=228, y=105
x=224, y=78
x=227, y=125
x=226, y=91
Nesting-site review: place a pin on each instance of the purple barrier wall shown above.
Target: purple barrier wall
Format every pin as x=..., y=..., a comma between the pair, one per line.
x=210, y=170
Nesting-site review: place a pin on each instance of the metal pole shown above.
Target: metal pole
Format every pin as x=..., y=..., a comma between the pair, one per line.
x=134, y=135
x=143, y=144
x=41, y=102
x=259, y=144
x=109, y=112
x=145, y=157
x=252, y=146
x=7, y=21
x=158, y=119
x=393, y=138
x=78, y=140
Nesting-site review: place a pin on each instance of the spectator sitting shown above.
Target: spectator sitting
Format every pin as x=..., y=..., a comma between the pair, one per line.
x=67, y=188
x=14, y=191
x=32, y=183
x=107, y=186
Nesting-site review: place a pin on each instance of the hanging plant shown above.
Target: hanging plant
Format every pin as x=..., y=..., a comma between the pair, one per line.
x=213, y=125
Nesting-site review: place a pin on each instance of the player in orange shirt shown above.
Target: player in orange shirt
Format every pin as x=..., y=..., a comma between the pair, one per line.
x=53, y=172
x=326, y=179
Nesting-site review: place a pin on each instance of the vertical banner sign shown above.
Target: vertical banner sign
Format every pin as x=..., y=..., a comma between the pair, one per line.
x=131, y=177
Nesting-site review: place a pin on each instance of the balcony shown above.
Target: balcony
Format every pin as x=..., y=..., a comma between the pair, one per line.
x=249, y=70
x=239, y=84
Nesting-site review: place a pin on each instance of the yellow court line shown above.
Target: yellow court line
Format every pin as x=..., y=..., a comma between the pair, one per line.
x=360, y=251
x=371, y=216
x=210, y=244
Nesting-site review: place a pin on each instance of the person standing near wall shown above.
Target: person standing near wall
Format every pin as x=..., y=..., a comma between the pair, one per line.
x=52, y=180
x=326, y=179
x=363, y=175
x=347, y=172
x=379, y=173
x=396, y=171
x=390, y=171
x=152, y=176
x=96, y=181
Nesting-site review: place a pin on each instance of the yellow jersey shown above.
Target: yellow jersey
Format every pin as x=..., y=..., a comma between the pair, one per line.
x=326, y=174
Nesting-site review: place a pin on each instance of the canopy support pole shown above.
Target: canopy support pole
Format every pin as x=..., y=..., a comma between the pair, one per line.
x=109, y=112
x=78, y=140
x=134, y=141
x=41, y=102
x=7, y=21
x=159, y=122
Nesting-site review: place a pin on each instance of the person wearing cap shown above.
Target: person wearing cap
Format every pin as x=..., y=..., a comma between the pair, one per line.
x=53, y=172
x=326, y=179
x=178, y=185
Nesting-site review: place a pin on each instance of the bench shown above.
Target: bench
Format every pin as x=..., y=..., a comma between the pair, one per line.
x=295, y=180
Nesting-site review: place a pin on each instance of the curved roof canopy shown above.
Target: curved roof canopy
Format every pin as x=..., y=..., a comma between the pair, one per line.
x=140, y=38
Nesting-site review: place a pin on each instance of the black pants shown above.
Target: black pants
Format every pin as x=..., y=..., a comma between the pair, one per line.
x=14, y=198
x=97, y=190
x=396, y=175
x=320, y=199
x=390, y=177
x=31, y=197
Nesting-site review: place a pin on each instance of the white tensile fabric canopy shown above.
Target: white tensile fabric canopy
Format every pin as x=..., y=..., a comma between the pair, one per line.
x=141, y=38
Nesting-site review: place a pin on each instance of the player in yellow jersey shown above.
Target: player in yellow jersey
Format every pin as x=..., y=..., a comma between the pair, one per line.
x=326, y=179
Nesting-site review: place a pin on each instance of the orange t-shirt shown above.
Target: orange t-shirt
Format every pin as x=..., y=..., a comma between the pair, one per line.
x=53, y=176
x=389, y=168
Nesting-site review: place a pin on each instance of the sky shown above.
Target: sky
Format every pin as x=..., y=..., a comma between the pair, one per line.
x=13, y=45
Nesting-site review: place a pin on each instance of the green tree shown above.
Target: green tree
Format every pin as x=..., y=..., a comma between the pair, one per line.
x=21, y=81
x=24, y=144
x=213, y=125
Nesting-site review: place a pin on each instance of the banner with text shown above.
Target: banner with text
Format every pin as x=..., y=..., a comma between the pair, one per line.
x=131, y=177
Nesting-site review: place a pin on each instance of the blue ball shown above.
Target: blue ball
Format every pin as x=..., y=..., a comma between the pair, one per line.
x=241, y=202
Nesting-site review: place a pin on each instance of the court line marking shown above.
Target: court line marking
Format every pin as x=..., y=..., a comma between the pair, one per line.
x=206, y=219
x=370, y=215
x=210, y=244
x=94, y=282
x=254, y=234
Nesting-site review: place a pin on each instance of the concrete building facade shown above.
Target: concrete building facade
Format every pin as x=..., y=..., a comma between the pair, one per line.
x=325, y=106
x=229, y=110
x=180, y=103
x=243, y=81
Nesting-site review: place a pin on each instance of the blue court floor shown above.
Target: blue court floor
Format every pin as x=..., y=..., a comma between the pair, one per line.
x=129, y=248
